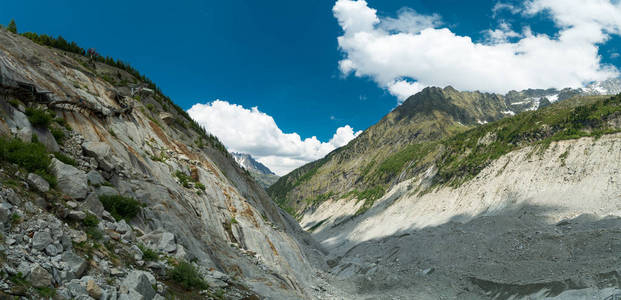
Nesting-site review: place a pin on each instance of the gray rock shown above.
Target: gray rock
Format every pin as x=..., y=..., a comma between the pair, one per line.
x=75, y=265
x=106, y=191
x=40, y=277
x=46, y=138
x=38, y=182
x=167, y=242
x=137, y=283
x=95, y=178
x=77, y=215
x=93, y=204
x=101, y=152
x=71, y=181
x=161, y=240
x=5, y=212
x=41, y=239
x=122, y=227
x=215, y=283
x=53, y=250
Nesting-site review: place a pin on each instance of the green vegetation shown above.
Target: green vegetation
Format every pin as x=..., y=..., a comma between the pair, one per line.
x=12, y=27
x=38, y=117
x=46, y=292
x=90, y=223
x=31, y=156
x=183, y=178
x=200, y=186
x=233, y=220
x=187, y=276
x=320, y=198
x=14, y=102
x=65, y=159
x=59, y=134
x=464, y=156
x=120, y=207
x=148, y=254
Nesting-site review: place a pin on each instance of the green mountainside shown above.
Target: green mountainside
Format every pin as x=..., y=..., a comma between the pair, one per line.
x=456, y=133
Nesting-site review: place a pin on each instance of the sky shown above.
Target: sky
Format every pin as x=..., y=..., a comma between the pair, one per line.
x=290, y=81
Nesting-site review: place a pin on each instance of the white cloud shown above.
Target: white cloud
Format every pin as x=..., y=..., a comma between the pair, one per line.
x=254, y=132
x=405, y=60
x=505, y=6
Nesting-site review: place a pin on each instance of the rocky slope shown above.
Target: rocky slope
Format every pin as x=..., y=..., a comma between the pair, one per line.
x=526, y=207
x=136, y=201
x=374, y=161
x=262, y=174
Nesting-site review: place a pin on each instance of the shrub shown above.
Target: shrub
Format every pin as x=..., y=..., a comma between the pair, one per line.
x=65, y=159
x=30, y=156
x=187, y=276
x=38, y=117
x=59, y=134
x=183, y=179
x=120, y=207
x=148, y=254
x=200, y=186
x=90, y=220
x=12, y=26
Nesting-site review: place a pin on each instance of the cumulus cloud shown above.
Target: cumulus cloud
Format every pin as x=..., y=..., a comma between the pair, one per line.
x=406, y=54
x=254, y=132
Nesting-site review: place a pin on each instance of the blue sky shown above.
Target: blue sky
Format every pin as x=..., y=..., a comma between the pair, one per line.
x=283, y=57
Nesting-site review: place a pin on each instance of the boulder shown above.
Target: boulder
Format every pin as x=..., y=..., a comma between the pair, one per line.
x=102, y=153
x=70, y=180
x=122, y=227
x=106, y=191
x=93, y=204
x=75, y=265
x=41, y=239
x=137, y=283
x=5, y=212
x=40, y=277
x=46, y=138
x=76, y=215
x=38, y=182
x=161, y=240
x=95, y=178
x=93, y=289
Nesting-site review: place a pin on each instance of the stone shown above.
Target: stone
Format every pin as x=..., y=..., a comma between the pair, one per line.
x=40, y=277
x=41, y=239
x=180, y=254
x=77, y=215
x=102, y=153
x=70, y=180
x=95, y=178
x=53, y=250
x=5, y=212
x=161, y=240
x=140, y=283
x=93, y=289
x=122, y=227
x=46, y=138
x=38, y=182
x=72, y=204
x=79, y=237
x=167, y=242
x=75, y=264
x=93, y=204
x=215, y=283
x=106, y=191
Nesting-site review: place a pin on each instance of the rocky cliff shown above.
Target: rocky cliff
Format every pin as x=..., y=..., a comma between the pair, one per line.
x=109, y=190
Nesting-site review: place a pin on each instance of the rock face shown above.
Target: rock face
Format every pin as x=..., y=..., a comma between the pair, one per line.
x=219, y=220
x=70, y=180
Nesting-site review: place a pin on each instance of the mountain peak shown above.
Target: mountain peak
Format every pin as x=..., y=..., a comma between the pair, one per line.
x=249, y=163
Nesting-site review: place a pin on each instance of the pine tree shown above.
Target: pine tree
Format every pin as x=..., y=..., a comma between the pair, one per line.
x=12, y=27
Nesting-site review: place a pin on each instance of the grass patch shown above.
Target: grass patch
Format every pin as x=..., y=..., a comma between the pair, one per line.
x=38, y=117
x=120, y=207
x=31, y=156
x=59, y=134
x=65, y=159
x=148, y=254
x=187, y=276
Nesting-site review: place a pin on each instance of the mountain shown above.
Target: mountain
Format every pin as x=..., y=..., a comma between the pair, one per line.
x=262, y=174
x=374, y=161
x=450, y=197
x=107, y=188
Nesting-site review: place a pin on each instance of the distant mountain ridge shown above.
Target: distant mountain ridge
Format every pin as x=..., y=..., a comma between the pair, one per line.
x=372, y=163
x=249, y=163
x=261, y=173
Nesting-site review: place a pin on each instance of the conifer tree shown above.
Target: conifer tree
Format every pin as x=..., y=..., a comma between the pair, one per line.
x=12, y=26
